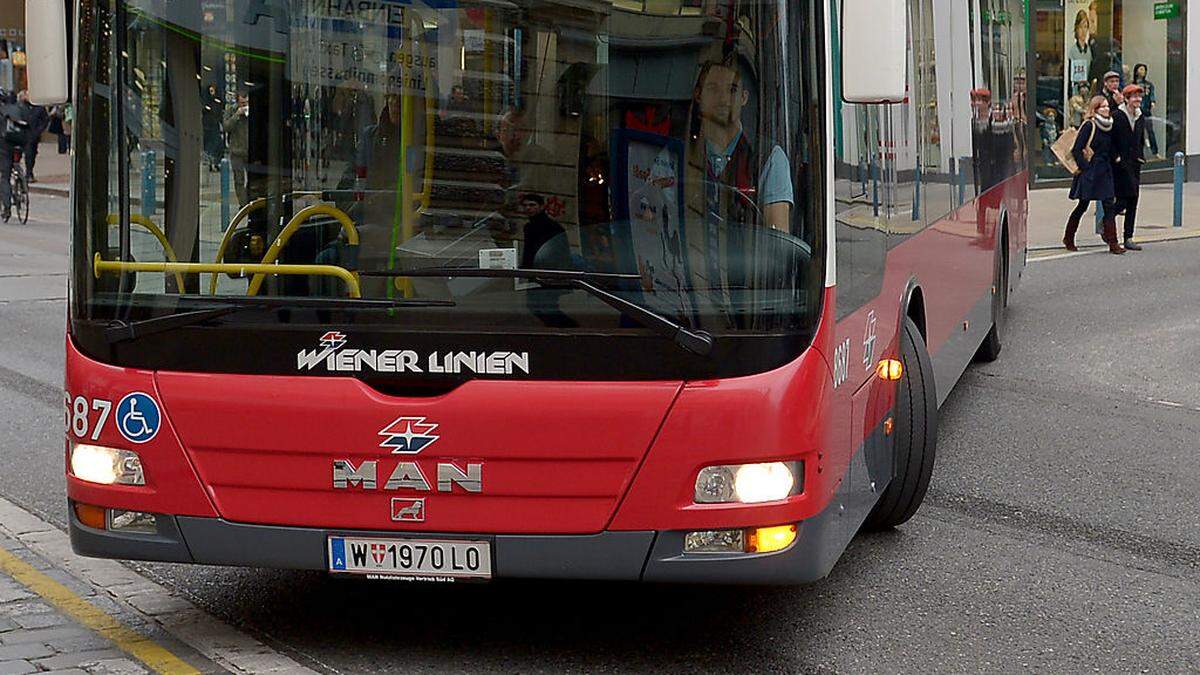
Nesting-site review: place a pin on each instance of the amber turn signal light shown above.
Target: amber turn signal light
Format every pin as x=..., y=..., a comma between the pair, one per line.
x=770, y=539
x=890, y=370
x=91, y=516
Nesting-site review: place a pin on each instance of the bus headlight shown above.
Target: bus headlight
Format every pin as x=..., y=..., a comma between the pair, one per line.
x=749, y=483
x=106, y=466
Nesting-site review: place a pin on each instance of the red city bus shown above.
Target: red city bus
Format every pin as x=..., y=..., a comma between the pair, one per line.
x=441, y=290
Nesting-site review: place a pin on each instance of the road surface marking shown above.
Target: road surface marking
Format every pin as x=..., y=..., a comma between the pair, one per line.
x=156, y=657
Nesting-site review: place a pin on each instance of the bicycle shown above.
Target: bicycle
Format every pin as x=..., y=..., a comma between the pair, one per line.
x=20, y=189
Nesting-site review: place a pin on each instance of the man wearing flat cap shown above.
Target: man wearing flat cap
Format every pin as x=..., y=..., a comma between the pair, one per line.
x=1112, y=89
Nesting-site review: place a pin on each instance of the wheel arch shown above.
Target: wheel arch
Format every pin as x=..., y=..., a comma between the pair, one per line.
x=912, y=305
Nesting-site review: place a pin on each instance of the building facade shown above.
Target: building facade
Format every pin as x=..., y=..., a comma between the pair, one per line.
x=1074, y=43
x=12, y=44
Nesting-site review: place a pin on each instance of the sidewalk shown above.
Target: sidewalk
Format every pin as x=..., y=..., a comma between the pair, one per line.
x=53, y=171
x=1048, y=211
x=68, y=615
x=51, y=622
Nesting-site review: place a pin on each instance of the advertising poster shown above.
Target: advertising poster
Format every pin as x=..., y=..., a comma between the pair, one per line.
x=1090, y=51
x=650, y=200
x=1080, y=43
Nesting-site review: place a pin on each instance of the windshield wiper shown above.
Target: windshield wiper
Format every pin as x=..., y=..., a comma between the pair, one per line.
x=122, y=331
x=695, y=341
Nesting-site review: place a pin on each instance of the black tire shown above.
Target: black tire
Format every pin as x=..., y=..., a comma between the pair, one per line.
x=994, y=342
x=20, y=199
x=915, y=436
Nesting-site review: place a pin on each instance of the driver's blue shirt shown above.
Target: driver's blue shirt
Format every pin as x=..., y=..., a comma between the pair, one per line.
x=775, y=181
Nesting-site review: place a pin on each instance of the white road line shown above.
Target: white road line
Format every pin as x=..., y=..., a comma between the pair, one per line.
x=1060, y=256
x=215, y=639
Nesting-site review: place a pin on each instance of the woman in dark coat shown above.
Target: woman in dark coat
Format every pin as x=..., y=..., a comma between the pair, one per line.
x=1129, y=146
x=1095, y=179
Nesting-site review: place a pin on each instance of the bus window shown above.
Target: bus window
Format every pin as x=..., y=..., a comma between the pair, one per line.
x=650, y=142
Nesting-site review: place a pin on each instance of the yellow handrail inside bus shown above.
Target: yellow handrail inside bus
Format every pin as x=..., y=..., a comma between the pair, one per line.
x=148, y=225
x=291, y=228
x=242, y=214
x=426, y=193
x=101, y=266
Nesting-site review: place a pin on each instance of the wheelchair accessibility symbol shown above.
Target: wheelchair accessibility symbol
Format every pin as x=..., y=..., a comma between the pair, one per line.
x=138, y=418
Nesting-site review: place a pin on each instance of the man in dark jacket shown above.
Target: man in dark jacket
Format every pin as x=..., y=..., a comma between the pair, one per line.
x=10, y=112
x=38, y=120
x=1129, y=141
x=1112, y=89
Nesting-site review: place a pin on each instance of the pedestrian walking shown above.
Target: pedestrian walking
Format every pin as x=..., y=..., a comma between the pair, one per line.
x=1093, y=152
x=60, y=125
x=211, y=120
x=38, y=120
x=56, y=126
x=1112, y=89
x=236, y=125
x=1129, y=145
x=1140, y=74
x=13, y=133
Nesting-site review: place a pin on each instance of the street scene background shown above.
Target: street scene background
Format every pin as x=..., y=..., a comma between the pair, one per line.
x=1061, y=532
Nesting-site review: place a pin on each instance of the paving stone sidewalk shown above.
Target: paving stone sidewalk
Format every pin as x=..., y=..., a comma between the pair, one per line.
x=36, y=637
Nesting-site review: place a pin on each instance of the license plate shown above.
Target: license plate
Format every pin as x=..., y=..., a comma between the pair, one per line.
x=414, y=559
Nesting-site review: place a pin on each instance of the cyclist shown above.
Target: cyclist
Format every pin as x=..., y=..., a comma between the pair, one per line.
x=13, y=136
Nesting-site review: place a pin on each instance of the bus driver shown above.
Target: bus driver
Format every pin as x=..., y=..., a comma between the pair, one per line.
x=732, y=156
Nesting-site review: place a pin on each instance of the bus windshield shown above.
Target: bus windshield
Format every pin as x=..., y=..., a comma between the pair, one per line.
x=672, y=150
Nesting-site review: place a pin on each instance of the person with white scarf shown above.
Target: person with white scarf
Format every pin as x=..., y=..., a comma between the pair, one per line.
x=1129, y=148
x=1094, y=182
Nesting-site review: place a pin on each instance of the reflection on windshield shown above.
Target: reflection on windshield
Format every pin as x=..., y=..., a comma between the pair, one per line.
x=668, y=142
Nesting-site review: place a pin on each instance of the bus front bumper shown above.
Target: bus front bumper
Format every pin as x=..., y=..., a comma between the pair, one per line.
x=613, y=556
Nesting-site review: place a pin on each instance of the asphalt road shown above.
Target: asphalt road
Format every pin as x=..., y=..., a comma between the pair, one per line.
x=1062, y=532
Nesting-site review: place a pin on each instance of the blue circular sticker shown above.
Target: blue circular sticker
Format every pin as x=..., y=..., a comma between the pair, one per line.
x=138, y=418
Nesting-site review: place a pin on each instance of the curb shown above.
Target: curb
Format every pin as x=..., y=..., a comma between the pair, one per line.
x=1056, y=252
x=57, y=192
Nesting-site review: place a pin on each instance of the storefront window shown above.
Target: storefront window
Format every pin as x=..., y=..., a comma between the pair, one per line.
x=1078, y=41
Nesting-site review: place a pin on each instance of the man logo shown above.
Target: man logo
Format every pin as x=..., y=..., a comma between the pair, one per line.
x=408, y=510
x=408, y=435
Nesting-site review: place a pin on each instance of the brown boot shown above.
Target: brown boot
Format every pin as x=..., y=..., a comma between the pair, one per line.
x=1110, y=236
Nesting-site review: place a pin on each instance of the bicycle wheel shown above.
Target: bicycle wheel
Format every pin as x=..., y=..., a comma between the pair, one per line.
x=21, y=198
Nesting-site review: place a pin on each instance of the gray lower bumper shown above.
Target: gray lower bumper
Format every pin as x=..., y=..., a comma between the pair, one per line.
x=613, y=556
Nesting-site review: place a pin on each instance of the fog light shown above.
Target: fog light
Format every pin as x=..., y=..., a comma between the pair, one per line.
x=714, y=541
x=749, y=483
x=106, y=466
x=132, y=521
x=770, y=539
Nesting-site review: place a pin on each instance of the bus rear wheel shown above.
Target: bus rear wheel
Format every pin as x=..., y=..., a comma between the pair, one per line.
x=915, y=437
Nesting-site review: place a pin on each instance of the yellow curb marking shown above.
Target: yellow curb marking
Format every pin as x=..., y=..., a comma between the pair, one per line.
x=139, y=646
